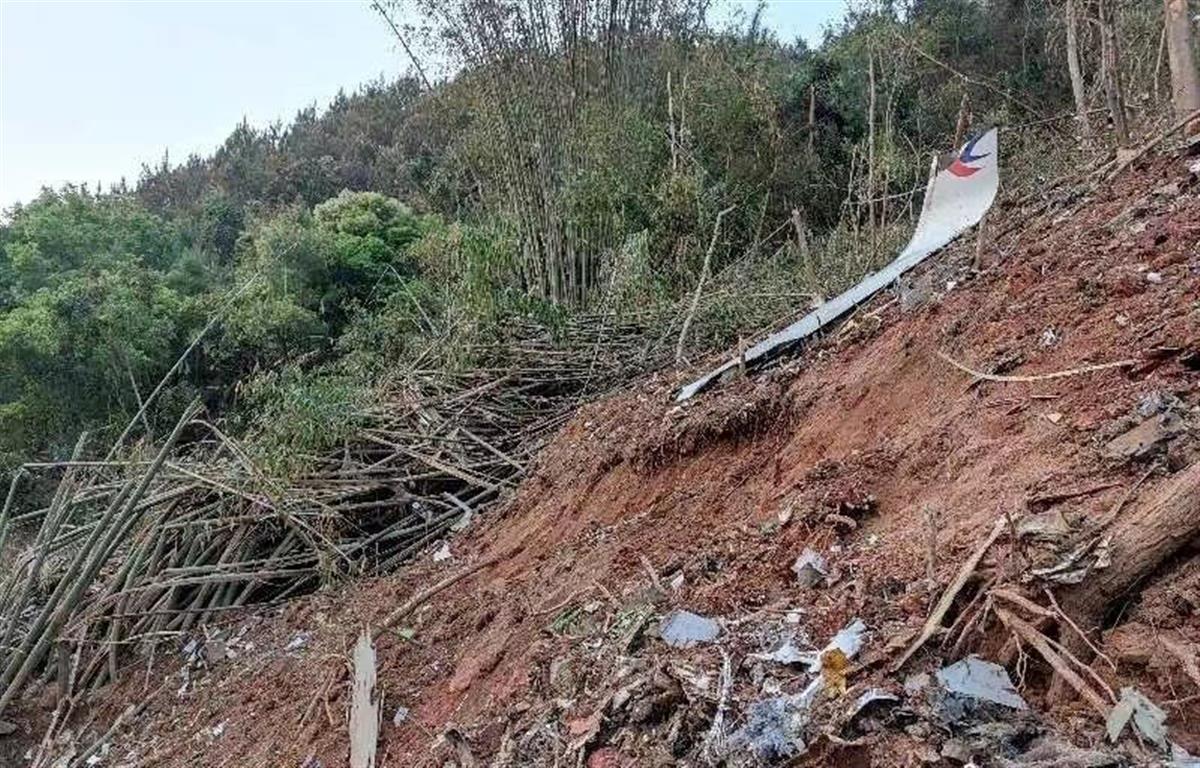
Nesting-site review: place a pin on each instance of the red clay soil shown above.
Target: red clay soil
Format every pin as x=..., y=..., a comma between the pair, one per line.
x=868, y=448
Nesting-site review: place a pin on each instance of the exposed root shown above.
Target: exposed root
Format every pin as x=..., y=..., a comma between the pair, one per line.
x=1045, y=649
x=1038, y=377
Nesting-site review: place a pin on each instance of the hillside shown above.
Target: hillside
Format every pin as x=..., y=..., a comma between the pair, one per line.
x=359, y=442
x=872, y=450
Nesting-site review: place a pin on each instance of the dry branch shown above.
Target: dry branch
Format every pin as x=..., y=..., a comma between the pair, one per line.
x=1027, y=634
x=704, y=271
x=1037, y=377
x=419, y=599
x=939, y=612
x=1114, y=169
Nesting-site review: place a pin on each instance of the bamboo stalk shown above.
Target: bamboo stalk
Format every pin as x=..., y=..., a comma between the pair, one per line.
x=80, y=575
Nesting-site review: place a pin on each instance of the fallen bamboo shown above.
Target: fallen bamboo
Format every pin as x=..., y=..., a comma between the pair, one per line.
x=155, y=549
x=79, y=577
x=422, y=597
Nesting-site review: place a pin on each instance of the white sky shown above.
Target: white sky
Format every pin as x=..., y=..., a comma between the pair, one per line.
x=91, y=90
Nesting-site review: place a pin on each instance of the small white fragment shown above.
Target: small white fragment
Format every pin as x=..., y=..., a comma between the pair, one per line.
x=462, y=523
x=298, y=642
x=1180, y=757
x=849, y=640
x=916, y=682
x=809, y=568
x=1148, y=718
x=683, y=629
x=1154, y=277
x=400, y=716
x=443, y=553
x=869, y=697
x=976, y=678
x=191, y=651
x=787, y=653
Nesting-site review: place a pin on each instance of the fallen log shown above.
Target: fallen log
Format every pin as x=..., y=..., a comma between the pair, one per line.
x=1141, y=542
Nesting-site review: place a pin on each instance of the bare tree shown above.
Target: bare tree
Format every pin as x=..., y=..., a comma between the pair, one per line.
x=1185, y=82
x=812, y=115
x=1110, y=65
x=964, y=118
x=1076, y=71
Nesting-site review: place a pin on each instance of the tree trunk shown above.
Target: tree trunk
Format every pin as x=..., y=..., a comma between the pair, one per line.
x=812, y=115
x=1076, y=71
x=960, y=125
x=1110, y=60
x=1141, y=542
x=1185, y=82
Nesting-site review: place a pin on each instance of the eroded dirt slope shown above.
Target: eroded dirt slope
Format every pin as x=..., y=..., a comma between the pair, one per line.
x=870, y=449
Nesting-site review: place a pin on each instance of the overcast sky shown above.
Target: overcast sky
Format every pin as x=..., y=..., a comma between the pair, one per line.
x=89, y=91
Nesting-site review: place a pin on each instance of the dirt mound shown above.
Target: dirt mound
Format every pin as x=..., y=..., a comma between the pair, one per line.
x=872, y=450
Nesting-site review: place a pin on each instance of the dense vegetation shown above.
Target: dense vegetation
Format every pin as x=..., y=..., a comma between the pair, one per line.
x=313, y=260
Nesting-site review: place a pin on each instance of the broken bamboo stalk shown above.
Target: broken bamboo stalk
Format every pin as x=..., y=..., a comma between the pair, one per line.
x=704, y=272
x=82, y=572
x=364, y=705
x=212, y=531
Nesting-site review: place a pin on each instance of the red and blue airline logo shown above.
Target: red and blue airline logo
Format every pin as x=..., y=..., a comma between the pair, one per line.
x=960, y=165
